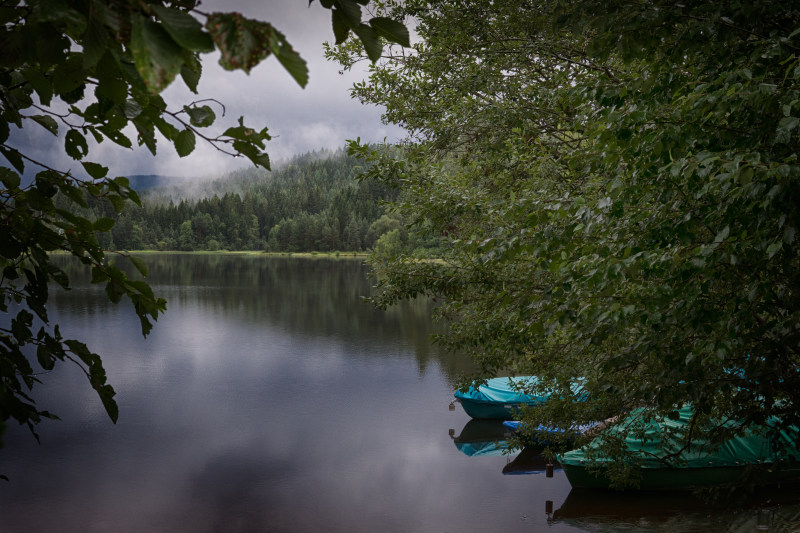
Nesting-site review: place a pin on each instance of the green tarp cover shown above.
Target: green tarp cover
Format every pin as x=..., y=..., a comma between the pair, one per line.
x=751, y=448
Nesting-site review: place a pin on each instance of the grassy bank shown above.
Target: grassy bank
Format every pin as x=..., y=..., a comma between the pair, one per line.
x=344, y=255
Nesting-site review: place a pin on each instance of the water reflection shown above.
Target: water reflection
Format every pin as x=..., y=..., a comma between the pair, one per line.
x=269, y=398
x=483, y=437
x=238, y=414
x=774, y=510
x=317, y=297
x=531, y=460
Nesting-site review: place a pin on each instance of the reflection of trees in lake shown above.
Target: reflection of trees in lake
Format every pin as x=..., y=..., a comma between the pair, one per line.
x=314, y=296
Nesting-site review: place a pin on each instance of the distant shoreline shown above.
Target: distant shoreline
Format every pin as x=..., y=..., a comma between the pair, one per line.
x=334, y=255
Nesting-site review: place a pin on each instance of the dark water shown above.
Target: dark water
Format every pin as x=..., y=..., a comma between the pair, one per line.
x=270, y=398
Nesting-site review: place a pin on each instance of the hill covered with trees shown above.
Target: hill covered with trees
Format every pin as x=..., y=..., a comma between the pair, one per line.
x=313, y=203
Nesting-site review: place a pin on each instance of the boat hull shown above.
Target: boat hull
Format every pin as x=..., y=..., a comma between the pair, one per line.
x=491, y=410
x=687, y=479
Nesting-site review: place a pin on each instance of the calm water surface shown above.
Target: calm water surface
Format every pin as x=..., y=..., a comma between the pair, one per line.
x=271, y=398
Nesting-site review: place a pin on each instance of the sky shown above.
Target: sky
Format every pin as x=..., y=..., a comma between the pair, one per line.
x=321, y=116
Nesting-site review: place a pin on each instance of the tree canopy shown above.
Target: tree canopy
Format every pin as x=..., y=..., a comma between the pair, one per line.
x=91, y=71
x=618, y=186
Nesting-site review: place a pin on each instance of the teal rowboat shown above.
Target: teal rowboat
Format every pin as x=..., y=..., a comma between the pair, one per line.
x=750, y=458
x=501, y=398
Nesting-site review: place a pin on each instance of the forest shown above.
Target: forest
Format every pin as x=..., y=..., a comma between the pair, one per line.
x=311, y=204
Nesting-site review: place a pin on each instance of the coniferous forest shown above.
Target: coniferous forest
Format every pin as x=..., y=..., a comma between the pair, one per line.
x=313, y=203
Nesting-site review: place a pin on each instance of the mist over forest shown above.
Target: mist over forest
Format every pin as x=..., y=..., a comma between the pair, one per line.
x=312, y=202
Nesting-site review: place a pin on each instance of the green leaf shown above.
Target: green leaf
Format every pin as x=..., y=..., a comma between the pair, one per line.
x=116, y=136
x=184, y=143
x=75, y=193
x=61, y=12
x=98, y=275
x=113, y=89
x=142, y=288
x=369, y=38
x=258, y=158
x=48, y=122
x=745, y=175
x=147, y=134
x=14, y=158
x=243, y=43
x=117, y=202
x=40, y=84
x=103, y=224
x=75, y=144
x=184, y=28
x=722, y=235
x=9, y=178
x=291, y=60
x=156, y=56
x=69, y=77
x=773, y=248
x=95, y=43
x=201, y=117
x=191, y=71
x=350, y=10
x=788, y=235
x=140, y=265
x=47, y=183
x=107, y=394
x=788, y=123
x=133, y=196
x=167, y=130
x=391, y=30
x=95, y=170
x=341, y=28
x=248, y=135
x=110, y=80
x=45, y=357
x=132, y=109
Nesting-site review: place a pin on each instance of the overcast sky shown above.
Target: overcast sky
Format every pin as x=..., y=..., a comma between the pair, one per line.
x=300, y=120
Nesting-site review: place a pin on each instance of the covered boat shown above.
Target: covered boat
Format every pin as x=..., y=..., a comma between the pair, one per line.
x=501, y=398
x=660, y=464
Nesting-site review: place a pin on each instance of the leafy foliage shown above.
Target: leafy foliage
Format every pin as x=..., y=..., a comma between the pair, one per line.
x=618, y=184
x=91, y=71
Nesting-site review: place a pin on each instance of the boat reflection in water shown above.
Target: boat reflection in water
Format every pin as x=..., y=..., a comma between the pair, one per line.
x=606, y=510
x=531, y=461
x=484, y=437
x=631, y=512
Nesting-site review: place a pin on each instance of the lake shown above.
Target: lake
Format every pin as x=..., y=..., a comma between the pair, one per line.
x=270, y=397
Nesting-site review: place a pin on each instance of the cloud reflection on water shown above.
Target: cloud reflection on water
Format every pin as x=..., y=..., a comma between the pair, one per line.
x=240, y=413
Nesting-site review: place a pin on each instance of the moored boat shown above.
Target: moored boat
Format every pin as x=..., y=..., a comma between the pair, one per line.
x=502, y=398
x=658, y=461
